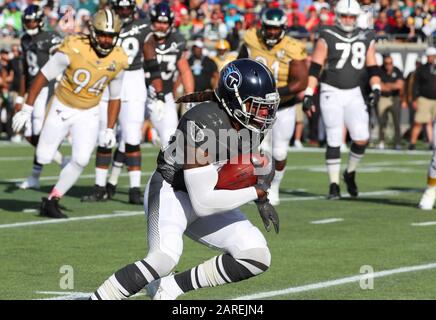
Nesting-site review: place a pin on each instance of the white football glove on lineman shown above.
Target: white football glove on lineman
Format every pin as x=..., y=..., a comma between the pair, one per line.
x=107, y=138
x=158, y=106
x=22, y=118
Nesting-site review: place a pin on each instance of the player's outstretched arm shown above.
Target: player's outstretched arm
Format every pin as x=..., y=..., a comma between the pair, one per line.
x=297, y=79
x=108, y=138
x=374, y=76
x=186, y=75
x=319, y=56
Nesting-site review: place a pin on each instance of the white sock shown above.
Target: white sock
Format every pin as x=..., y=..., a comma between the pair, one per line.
x=68, y=177
x=58, y=157
x=353, y=161
x=100, y=176
x=36, y=171
x=135, y=178
x=170, y=285
x=117, y=167
x=275, y=184
x=333, y=170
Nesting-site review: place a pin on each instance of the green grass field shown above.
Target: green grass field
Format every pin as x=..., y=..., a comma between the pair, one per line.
x=376, y=230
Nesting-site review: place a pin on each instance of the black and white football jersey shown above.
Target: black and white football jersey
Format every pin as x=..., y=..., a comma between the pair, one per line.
x=196, y=129
x=132, y=39
x=36, y=52
x=168, y=54
x=345, y=67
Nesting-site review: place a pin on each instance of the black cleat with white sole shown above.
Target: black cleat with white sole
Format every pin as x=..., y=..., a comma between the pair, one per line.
x=50, y=208
x=98, y=194
x=135, y=196
x=350, y=181
x=334, y=192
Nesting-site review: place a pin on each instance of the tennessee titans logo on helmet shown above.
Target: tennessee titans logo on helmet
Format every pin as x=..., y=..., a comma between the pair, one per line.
x=232, y=77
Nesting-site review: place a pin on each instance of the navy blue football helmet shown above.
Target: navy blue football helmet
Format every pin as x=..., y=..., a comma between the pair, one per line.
x=125, y=9
x=161, y=13
x=33, y=13
x=247, y=91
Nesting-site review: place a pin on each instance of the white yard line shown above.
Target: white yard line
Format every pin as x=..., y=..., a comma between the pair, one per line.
x=325, y=221
x=424, y=224
x=337, y=282
x=116, y=214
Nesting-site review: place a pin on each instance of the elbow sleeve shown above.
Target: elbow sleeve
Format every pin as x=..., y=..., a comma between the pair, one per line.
x=200, y=183
x=55, y=65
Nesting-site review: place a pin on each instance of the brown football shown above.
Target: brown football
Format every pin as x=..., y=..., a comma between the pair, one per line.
x=238, y=172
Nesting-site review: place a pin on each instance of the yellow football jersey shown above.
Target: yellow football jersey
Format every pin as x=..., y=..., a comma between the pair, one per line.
x=87, y=75
x=278, y=57
x=220, y=63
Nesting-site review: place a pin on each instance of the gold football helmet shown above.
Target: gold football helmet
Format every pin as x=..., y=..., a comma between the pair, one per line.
x=104, y=30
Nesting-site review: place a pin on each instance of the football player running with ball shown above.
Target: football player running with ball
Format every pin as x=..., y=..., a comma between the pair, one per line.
x=347, y=54
x=89, y=64
x=181, y=196
x=285, y=57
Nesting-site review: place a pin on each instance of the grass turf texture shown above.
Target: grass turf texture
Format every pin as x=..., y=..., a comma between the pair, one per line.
x=376, y=230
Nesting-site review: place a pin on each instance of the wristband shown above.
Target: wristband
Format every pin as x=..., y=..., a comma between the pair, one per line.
x=309, y=91
x=376, y=86
x=19, y=100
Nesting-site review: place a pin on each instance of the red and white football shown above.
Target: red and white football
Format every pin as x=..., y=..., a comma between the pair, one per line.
x=238, y=172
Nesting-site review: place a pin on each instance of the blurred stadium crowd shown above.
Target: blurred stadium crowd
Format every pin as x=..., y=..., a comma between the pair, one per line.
x=204, y=23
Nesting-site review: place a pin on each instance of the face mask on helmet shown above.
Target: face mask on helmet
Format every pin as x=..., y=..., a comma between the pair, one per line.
x=256, y=113
x=104, y=31
x=346, y=14
x=251, y=100
x=161, y=20
x=32, y=20
x=273, y=29
x=125, y=10
x=347, y=22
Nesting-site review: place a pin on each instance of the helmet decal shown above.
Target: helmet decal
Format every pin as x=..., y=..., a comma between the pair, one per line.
x=232, y=77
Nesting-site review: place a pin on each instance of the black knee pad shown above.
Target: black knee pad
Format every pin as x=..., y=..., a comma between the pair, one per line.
x=333, y=152
x=132, y=148
x=103, y=158
x=358, y=149
x=133, y=155
x=119, y=156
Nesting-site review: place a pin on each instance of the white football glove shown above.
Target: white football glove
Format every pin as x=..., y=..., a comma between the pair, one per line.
x=22, y=118
x=107, y=138
x=159, y=109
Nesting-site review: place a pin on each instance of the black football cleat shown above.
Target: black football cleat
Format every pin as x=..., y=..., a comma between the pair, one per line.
x=98, y=194
x=50, y=208
x=350, y=181
x=110, y=190
x=334, y=192
x=135, y=196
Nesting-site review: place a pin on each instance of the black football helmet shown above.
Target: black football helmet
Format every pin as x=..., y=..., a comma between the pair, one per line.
x=273, y=17
x=33, y=13
x=125, y=9
x=161, y=13
x=247, y=91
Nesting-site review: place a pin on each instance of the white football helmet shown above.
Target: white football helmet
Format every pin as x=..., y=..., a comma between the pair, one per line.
x=349, y=8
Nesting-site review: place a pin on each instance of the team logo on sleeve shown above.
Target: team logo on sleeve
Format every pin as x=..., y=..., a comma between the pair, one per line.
x=232, y=77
